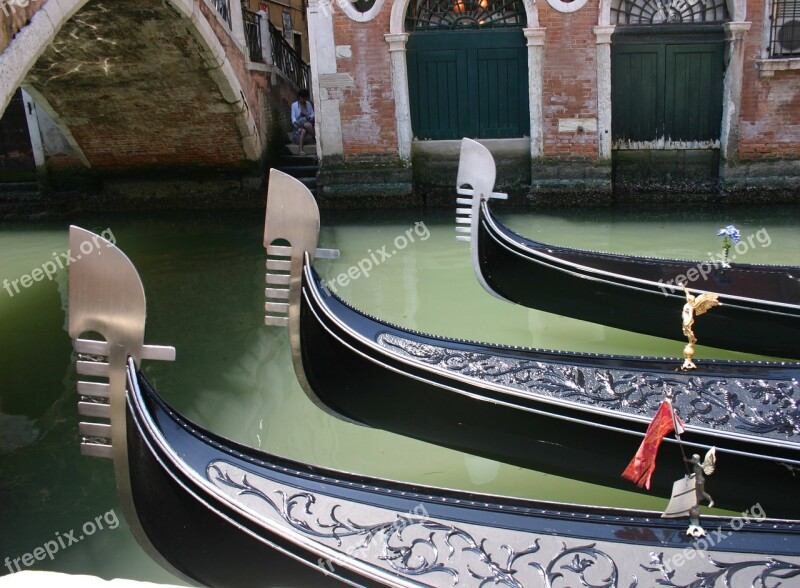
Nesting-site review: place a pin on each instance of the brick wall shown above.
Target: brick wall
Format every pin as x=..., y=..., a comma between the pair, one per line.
x=131, y=86
x=569, y=79
x=769, y=125
x=369, y=129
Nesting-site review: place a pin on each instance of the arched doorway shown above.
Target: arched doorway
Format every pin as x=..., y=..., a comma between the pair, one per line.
x=467, y=69
x=667, y=69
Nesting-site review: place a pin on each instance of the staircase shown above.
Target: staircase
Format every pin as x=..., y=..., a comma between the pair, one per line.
x=302, y=167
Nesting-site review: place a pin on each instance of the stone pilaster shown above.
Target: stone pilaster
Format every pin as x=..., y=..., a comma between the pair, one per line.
x=735, y=33
x=603, y=63
x=402, y=106
x=534, y=37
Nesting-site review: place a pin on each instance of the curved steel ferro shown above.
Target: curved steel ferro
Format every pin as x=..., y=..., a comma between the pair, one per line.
x=106, y=296
x=476, y=169
x=292, y=216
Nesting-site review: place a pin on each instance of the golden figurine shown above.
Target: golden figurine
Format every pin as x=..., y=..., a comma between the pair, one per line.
x=695, y=306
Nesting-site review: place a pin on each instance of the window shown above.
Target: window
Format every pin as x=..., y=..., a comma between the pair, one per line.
x=464, y=14
x=784, y=32
x=651, y=12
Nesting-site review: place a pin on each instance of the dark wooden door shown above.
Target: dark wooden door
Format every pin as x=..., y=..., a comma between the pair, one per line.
x=468, y=84
x=668, y=90
x=693, y=101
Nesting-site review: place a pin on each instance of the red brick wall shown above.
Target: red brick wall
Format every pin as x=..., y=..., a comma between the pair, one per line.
x=569, y=79
x=369, y=128
x=146, y=101
x=769, y=124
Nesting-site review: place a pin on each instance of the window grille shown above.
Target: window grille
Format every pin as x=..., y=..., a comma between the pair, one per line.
x=654, y=12
x=784, y=29
x=425, y=15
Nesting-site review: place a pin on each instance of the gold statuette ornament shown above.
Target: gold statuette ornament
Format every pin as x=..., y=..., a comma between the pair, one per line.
x=695, y=306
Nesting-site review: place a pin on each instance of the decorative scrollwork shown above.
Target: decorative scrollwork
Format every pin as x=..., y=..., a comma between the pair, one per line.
x=728, y=574
x=420, y=545
x=757, y=406
x=417, y=546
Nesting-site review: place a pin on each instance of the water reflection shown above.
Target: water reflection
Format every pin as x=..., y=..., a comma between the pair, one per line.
x=204, y=277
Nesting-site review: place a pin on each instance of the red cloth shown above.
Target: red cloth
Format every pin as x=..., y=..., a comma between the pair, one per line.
x=643, y=463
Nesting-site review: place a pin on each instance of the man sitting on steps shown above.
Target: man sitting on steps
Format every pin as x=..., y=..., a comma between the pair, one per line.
x=302, y=119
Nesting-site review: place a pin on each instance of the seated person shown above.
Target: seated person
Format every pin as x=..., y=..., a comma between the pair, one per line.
x=302, y=119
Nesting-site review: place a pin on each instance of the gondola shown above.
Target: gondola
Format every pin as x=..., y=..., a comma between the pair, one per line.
x=222, y=514
x=573, y=414
x=760, y=311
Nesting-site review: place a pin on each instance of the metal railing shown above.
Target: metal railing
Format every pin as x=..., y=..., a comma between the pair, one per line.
x=288, y=61
x=252, y=34
x=224, y=9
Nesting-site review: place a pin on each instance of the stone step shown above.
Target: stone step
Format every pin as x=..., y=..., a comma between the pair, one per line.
x=298, y=171
x=310, y=183
x=298, y=160
x=310, y=149
x=19, y=187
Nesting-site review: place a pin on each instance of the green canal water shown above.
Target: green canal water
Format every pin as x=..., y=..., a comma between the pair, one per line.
x=204, y=279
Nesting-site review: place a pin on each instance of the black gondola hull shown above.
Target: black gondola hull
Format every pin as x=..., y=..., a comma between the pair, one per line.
x=356, y=380
x=630, y=293
x=221, y=539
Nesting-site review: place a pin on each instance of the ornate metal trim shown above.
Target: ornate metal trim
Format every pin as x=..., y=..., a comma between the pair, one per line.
x=433, y=551
x=737, y=405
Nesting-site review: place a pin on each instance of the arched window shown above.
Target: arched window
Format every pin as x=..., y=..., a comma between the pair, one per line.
x=428, y=15
x=653, y=12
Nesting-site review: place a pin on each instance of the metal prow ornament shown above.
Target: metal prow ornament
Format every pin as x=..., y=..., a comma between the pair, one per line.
x=291, y=232
x=476, y=169
x=106, y=297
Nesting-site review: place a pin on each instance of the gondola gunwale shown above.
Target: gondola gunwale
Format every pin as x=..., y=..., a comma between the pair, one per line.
x=153, y=434
x=501, y=235
x=311, y=284
x=455, y=500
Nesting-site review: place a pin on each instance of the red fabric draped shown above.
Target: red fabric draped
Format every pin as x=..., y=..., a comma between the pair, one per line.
x=643, y=464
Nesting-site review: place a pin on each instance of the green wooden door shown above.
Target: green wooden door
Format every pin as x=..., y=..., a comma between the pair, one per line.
x=669, y=91
x=468, y=84
x=693, y=102
x=637, y=92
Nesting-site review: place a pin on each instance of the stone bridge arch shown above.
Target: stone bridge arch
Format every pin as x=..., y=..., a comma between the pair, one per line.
x=141, y=85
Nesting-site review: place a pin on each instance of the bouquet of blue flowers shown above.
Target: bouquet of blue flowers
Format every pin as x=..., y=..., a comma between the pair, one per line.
x=730, y=237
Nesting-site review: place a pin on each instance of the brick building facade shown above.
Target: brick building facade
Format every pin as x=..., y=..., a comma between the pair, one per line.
x=619, y=92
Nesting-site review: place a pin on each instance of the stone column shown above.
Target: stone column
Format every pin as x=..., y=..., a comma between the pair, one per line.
x=36, y=137
x=535, y=41
x=402, y=105
x=266, y=38
x=324, y=80
x=735, y=33
x=603, y=62
x=237, y=25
